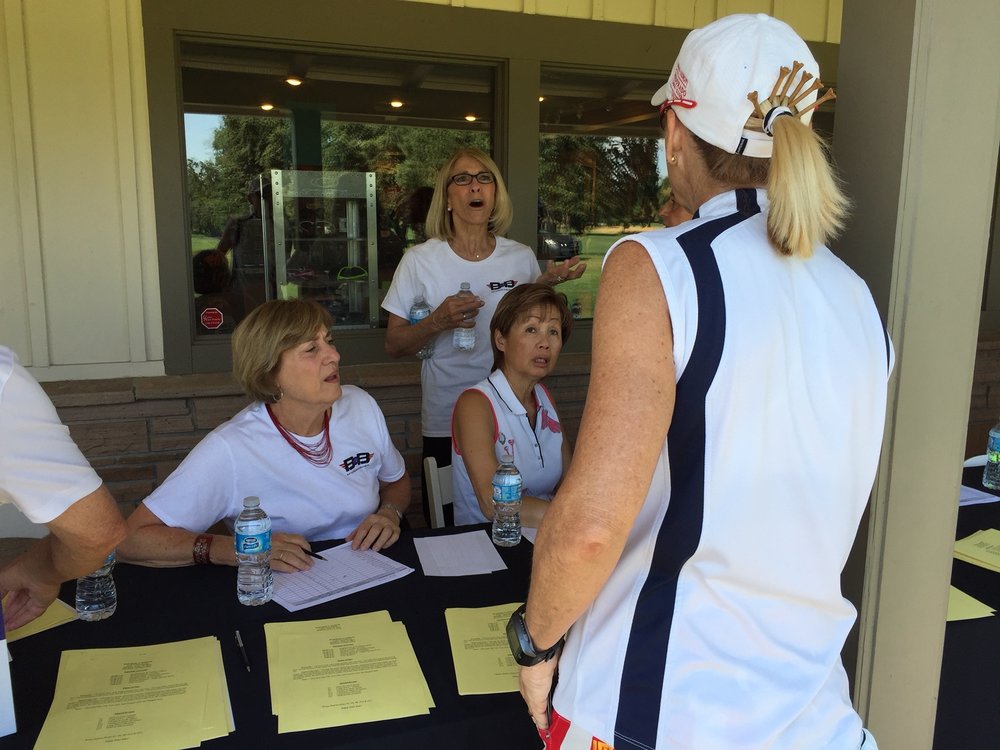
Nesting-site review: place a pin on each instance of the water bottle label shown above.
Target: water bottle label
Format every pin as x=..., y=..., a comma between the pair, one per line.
x=993, y=448
x=253, y=544
x=416, y=317
x=506, y=493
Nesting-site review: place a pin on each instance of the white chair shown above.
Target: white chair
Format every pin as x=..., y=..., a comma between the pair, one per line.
x=439, y=490
x=975, y=461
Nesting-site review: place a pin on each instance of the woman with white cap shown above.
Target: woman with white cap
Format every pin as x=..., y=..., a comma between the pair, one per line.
x=693, y=552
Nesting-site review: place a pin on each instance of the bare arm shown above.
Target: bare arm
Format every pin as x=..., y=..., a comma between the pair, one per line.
x=152, y=543
x=474, y=428
x=584, y=531
x=80, y=539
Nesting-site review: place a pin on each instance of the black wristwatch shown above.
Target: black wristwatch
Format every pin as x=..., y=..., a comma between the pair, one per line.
x=521, y=646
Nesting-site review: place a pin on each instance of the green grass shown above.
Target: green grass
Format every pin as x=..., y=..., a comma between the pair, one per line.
x=584, y=289
x=201, y=242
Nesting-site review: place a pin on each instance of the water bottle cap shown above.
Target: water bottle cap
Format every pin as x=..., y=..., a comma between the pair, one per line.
x=251, y=502
x=506, y=458
x=465, y=285
x=418, y=299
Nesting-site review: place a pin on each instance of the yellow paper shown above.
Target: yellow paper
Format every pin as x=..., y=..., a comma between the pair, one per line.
x=58, y=613
x=150, y=697
x=274, y=630
x=961, y=606
x=479, y=648
x=981, y=548
x=346, y=671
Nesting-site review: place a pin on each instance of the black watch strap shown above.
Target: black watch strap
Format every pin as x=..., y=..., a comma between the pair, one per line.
x=521, y=646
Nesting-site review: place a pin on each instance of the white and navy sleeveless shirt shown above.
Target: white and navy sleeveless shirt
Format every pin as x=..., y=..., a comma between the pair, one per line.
x=536, y=448
x=722, y=625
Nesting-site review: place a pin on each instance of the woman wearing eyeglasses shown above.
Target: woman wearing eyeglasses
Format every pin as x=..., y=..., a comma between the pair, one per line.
x=469, y=213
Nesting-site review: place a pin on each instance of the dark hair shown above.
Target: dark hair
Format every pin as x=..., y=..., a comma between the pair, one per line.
x=210, y=270
x=517, y=303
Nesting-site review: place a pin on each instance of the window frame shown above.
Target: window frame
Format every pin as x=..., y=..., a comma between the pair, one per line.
x=519, y=43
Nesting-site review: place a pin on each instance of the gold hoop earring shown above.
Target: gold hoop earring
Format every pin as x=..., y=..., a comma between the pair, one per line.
x=276, y=398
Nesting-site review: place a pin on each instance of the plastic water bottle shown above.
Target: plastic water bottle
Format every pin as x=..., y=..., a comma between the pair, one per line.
x=418, y=312
x=991, y=474
x=253, y=554
x=96, y=595
x=465, y=338
x=506, y=503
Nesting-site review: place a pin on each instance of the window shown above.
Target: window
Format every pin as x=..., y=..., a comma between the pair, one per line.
x=257, y=119
x=601, y=168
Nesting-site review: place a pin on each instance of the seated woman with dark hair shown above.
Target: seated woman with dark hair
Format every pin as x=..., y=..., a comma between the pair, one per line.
x=316, y=452
x=511, y=411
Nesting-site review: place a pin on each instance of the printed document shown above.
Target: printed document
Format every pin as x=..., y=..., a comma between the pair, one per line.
x=343, y=572
x=165, y=696
x=483, y=662
x=465, y=554
x=347, y=670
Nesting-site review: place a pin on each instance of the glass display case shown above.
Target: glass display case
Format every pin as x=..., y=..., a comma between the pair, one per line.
x=325, y=242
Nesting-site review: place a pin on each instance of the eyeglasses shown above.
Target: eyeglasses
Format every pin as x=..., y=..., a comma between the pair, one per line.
x=464, y=178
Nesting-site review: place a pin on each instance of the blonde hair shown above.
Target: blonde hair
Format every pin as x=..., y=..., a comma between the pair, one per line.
x=808, y=205
x=265, y=334
x=439, y=224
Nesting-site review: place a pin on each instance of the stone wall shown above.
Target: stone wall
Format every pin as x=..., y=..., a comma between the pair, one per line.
x=135, y=431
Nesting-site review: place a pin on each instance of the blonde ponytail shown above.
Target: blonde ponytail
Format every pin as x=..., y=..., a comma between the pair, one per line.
x=808, y=206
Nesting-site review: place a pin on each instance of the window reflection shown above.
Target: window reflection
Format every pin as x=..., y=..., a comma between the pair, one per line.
x=396, y=118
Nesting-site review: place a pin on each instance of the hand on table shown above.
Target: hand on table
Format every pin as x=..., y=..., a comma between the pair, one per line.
x=26, y=596
x=376, y=532
x=288, y=552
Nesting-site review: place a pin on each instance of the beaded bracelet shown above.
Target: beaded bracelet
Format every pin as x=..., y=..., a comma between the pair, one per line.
x=202, y=544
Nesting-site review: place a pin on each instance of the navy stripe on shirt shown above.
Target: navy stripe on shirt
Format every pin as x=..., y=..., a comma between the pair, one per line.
x=643, y=672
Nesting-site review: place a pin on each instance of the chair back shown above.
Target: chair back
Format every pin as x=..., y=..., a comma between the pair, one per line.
x=975, y=461
x=439, y=490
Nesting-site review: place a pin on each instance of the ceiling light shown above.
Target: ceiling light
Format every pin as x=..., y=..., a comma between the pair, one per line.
x=396, y=103
x=267, y=107
x=293, y=81
x=471, y=118
x=541, y=99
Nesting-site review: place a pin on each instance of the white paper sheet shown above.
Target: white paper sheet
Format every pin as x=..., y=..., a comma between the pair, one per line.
x=344, y=571
x=465, y=554
x=972, y=496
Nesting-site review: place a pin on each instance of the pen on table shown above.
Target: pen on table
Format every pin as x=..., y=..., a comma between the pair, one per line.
x=314, y=554
x=243, y=651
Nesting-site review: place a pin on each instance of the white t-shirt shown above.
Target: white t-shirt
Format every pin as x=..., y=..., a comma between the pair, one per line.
x=42, y=471
x=248, y=456
x=434, y=270
x=537, y=449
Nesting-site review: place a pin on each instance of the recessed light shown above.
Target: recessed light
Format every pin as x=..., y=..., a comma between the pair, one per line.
x=267, y=107
x=471, y=118
x=541, y=99
x=396, y=104
x=293, y=81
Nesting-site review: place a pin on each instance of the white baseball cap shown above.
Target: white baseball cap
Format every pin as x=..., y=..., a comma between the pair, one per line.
x=720, y=64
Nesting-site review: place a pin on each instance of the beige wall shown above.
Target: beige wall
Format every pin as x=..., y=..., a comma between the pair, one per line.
x=79, y=295
x=815, y=20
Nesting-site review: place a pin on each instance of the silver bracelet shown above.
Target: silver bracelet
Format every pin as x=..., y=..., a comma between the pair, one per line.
x=392, y=507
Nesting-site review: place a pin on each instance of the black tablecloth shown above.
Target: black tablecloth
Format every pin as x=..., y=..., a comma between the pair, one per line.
x=163, y=605
x=968, y=716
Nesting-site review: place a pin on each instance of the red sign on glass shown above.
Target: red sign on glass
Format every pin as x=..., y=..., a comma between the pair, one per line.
x=211, y=318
